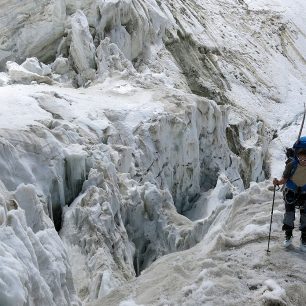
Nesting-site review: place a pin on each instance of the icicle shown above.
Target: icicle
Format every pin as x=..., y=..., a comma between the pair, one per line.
x=137, y=263
x=3, y=215
x=50, y=208
x=75, y=172
x=61, y=191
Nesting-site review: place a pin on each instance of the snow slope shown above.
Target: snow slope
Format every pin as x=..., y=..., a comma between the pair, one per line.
x=136, y=130
x=230, y=265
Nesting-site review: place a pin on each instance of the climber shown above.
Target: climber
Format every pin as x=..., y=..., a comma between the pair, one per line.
x=294, y=192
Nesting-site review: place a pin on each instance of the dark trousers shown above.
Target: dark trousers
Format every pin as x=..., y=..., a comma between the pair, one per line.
x=293, y=200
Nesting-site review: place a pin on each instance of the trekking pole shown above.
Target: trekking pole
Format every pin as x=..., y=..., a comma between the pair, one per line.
x=302, y=125
x=268, y=250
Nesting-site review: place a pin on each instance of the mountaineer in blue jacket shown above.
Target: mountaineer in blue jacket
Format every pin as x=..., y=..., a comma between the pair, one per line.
x=294, y=192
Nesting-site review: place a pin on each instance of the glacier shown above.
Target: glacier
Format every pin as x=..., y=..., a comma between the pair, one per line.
x=138, y=138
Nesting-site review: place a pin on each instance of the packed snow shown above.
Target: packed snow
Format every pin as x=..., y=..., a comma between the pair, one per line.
x=138, y=142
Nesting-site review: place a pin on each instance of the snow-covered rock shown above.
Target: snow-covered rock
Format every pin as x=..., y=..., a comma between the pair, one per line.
x=33, y=65
x=61, y=65
x=132, y=26
x=82, y=49
x=74, y=29
x=4, y=79
x=19, y=74
x=110, y=59
x=31, y=29
x=36, y=212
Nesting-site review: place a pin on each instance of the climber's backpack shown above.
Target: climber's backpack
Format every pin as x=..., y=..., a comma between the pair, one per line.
x=300, y=144
x=292, y=157
x=291, y=152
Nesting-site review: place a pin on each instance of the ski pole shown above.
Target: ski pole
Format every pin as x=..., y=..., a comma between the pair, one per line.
x=302, y=125
x=268, y=250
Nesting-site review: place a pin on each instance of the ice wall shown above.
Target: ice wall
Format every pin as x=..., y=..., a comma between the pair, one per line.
x=140, y=179
x=23, y=160
x=137, y=174
x=34, y=263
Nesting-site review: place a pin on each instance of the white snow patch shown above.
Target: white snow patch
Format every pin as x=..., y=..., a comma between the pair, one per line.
x=129, y=303
x=274, y=292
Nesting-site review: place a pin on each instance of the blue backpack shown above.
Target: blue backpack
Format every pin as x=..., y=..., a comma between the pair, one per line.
x=300, y=144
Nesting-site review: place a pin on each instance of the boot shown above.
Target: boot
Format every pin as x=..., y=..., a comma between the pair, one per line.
x=303, y=241
x=288, y=238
